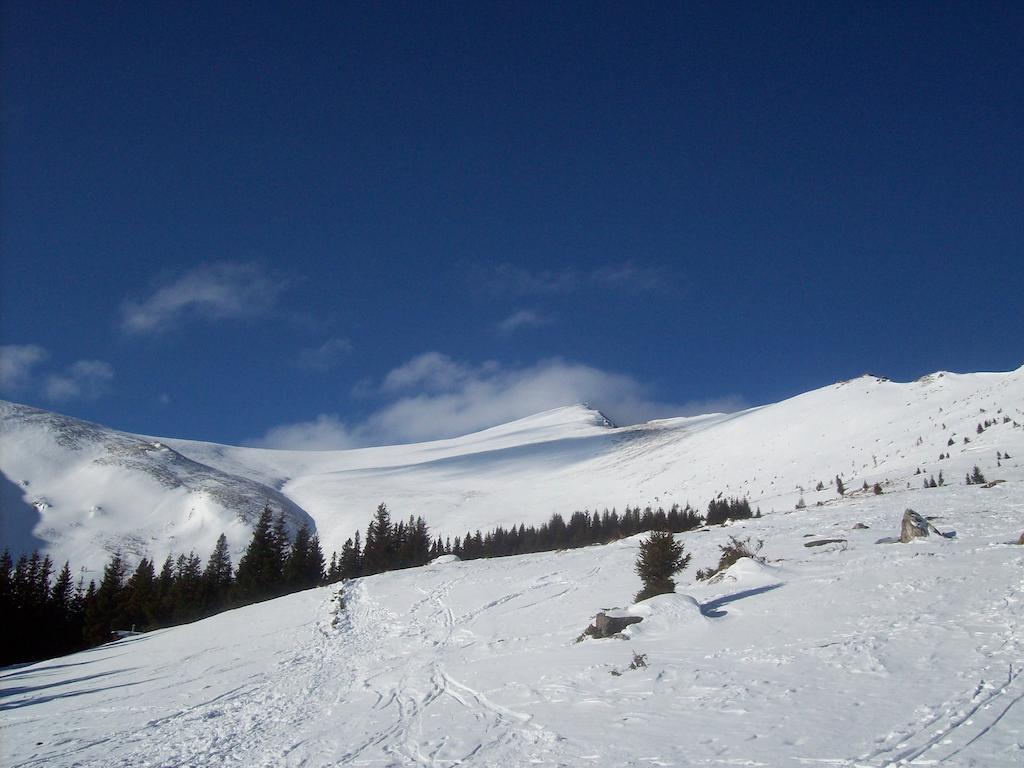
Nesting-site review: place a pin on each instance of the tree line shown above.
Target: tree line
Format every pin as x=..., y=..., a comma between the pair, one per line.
x=389, y=546
x=55, y=616
x=47, y=617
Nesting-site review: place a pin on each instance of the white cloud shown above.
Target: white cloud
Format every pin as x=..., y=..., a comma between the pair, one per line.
x=325, y=432
x=630, y=276
x=326, y=356
x=511, y=280
x=17, y=364
x=85, y=379
x=430, y=371
x=434, y=396
x=524, y=318
x=210, y=291
x=466, y=398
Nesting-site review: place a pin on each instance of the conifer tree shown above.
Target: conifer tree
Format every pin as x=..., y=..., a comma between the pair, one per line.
x=305, y=565
x=63, y=593
x=101, y=610
x=281, y=546
x=295, y=565
x=187, y=594
x=314, y=571
x=140, y=600
x=165, y=591
x=217, y=577
x=659, y=559
x=379, y=549
x=260, y=571
x=350, y=564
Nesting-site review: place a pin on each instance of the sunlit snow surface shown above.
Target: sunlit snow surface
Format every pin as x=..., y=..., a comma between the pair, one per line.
x=106, y=490
x=861, y=654
x=855, y=654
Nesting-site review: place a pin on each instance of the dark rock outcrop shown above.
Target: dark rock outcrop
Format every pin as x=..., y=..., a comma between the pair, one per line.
x=823, y=542
x=606, y=626
x=913, y=526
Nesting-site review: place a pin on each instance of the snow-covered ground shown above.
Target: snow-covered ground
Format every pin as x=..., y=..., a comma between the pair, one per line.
x=81, y=491
x=853, y=654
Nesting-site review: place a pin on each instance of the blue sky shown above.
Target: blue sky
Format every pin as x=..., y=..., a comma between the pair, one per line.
x=340, y=224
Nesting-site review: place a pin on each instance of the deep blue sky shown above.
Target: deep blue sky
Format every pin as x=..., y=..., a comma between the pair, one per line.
x=223, y=218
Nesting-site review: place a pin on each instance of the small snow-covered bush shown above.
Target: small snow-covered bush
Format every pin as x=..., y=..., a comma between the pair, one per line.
x=733, y=551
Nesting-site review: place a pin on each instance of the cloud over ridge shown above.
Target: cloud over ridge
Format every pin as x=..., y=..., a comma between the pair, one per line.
x=433, y=396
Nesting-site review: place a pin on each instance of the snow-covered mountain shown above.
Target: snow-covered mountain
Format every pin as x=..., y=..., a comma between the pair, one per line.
x=80, y=491
x=847, y=654
x=852, y=652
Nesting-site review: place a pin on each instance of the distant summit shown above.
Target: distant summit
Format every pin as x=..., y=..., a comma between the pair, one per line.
x=80, y=491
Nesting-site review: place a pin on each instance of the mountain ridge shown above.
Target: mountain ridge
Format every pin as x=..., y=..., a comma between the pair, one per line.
x=93, y=490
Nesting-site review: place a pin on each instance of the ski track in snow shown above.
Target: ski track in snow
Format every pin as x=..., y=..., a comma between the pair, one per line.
x=869, y=656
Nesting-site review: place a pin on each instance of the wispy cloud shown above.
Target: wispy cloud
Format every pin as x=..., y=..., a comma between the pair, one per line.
x=326, y=356
x=214, y=291
x=511, y=280
x=22, y=370
x=18, y=363
x=325, y=432
x=433, y=396
x=523, y=318
x=85, y=380
x=429, y=372
x=630, y=276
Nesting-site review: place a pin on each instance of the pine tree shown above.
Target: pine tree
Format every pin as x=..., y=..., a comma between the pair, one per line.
x=334, y=569
x=659, y=559
x=217, y=577
x=6, y=584
x=281, y=547
x=976, y=477
x=305, y=565
x=840, y=488
x=350, y=564
x=260, y=571
x=141, y=603
x=102, y=609
x=314, y=571
x=187, y=595
x=379, y=550
x=63, y=592
x=295, y=565
x=165, y=591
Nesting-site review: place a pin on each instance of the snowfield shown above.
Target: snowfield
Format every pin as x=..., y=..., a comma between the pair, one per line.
x=853, y=654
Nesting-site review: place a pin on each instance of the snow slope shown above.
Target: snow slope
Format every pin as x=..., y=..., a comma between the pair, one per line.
x=855, y=654
x=867, y=429
x=81, y=491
